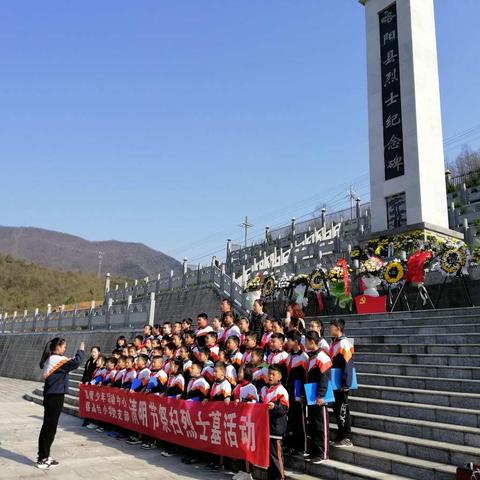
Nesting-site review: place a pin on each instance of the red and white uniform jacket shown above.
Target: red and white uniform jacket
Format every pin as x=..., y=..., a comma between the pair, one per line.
x=220, y=390
x=198, y=388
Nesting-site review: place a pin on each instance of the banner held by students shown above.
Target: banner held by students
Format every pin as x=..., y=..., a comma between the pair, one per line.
x=237, y=431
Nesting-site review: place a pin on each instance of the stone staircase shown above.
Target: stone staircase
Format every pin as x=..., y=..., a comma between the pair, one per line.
x=416, y=413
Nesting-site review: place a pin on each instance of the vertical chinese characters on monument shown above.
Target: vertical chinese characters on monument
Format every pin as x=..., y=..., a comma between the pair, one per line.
x=391, y=96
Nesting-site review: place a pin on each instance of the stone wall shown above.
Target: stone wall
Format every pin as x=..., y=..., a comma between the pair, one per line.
x=21, y=352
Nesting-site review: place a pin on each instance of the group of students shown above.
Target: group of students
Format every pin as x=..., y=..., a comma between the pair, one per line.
x=230, y=359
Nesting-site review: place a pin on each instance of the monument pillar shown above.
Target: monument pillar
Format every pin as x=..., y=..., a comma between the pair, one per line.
x=407, y=172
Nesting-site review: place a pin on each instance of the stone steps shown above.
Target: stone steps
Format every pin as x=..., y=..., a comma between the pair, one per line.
x=435, y=371
x=435, y=451
x=429, y=313
x=432, y=413
x=411, y=322
x=418, y=359
x=422, y=348
x=437, y=431
x=433, y=397
x=443, y=338
x=418, y=330
x=425, y=383
x=334, y=470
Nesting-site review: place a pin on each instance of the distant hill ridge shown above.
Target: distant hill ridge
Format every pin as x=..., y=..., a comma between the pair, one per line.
x=61, y=251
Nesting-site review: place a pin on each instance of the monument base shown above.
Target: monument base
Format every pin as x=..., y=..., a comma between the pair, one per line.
x=428, y=228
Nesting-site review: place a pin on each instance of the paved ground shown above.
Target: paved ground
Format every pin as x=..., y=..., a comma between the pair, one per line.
x=83, y=454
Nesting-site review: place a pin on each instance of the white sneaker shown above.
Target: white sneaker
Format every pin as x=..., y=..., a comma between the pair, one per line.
x=91, y=426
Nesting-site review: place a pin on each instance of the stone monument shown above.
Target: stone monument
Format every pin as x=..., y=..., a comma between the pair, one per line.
x=407, y=172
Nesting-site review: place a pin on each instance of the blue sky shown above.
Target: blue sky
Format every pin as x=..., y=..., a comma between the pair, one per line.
x=167, y=122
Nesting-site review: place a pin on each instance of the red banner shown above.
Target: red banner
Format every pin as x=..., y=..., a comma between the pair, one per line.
x=236, y=431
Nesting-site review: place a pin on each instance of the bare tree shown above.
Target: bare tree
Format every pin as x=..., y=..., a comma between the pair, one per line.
x=467, y=161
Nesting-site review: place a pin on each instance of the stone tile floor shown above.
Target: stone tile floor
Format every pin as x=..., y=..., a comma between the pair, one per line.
x=82, y=453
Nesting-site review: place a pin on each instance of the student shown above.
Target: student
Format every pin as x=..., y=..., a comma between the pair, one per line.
x=56, y=368
x=121, y=369
x=166, y=329
x=156, y=331
x=317, y=326
x=244, y=392
x=260, y=369
x=120, y=343
x=275, y=396
x=244, y=326
x=206, y=364
x=143, y=373
x=168, y=356
x=186, y=324
x=318, y=372
x=189, y=339
x=267, y=333
x=197, y=387
x=130, y=373
x=231, y=329
x=278, y=356
x=177, y=328
x=217, y=327
x=184, y=356
x=250, y=345
x=111, y=372
x=147, y=332
x=258, y=317
x=100, y=371
x=211, y=344
x=176, y=380
x=220, y=391
x=233, y=353
x=158, y=372
x=202, y=329
x=90, y=367
x=341, y=353
x=138, y=343
x=296, y=367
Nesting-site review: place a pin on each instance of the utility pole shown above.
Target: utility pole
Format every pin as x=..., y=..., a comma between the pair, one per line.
x=100, y=260
x=352, y=196
x=245, y=225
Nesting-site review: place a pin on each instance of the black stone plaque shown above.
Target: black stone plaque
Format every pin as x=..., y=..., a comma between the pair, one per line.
x=391, y=96
x=396, y=210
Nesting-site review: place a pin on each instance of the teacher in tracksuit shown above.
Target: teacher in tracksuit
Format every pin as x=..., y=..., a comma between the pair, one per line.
x=56, y=368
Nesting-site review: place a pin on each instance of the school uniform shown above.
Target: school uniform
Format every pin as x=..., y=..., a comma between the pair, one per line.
x=231, y=374
x=200, y=335
x=297, y=369
x=235, y=358
x=265, y=340
x=260, y=377
x=197, y=388
x=245, y=392
x=117, y=381
x=129, y=376
x=175, y=385
x=109, y=377
x=214, y=353
x=162, y=379
x=144, y=376
x=318, y=372
x=247, y=357
x=277, y=416
x=220, y=390
x=232, y=331
x=98, y=376
x=341, y=352
x=207, y=371
x=279, y=358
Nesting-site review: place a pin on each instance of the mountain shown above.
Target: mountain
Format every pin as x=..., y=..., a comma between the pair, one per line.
x=61, y=251
x=24, y=284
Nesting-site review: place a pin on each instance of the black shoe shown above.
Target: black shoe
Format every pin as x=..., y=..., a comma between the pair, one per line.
x=134, y=441
x=53, y=463
x=345, y=443
x=192, y=461
x=85, y=423
x=43, y=464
